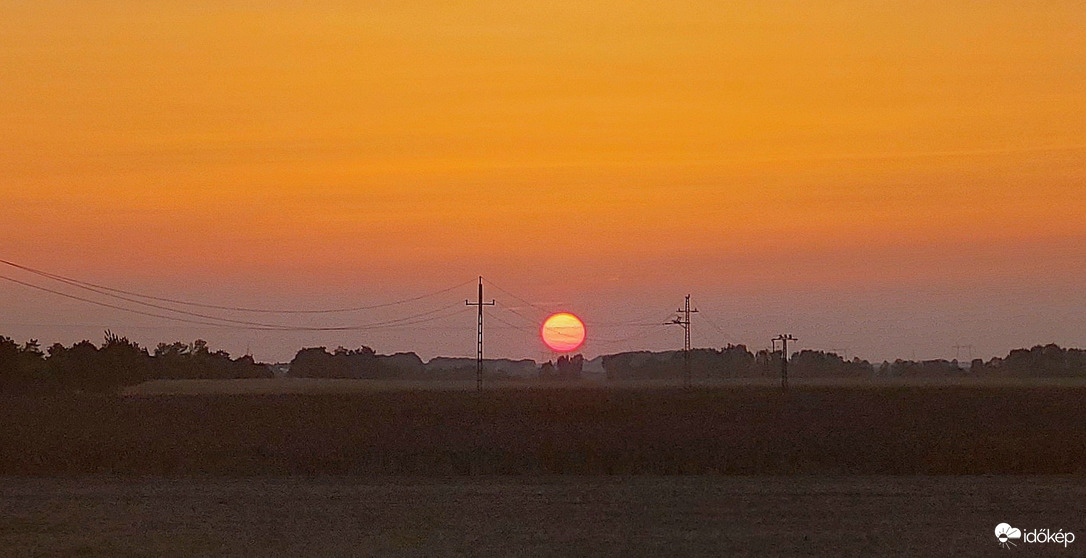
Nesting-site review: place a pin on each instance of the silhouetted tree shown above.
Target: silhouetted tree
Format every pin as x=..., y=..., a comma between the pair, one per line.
x=247, y=367
x=1041, y=360
x=400, y=365
x=125, y=362
x=196, y=361
x=22, y=368
x=570, y=368
x=317, y=362
x=810, y=364
x=314, y=362
x=733, y=361
x=118, y=363
x=357, y=363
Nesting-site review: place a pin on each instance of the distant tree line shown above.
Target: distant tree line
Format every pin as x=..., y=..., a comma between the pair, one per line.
x=736, y=361
x=119, y=362
x=1042, y=360
x=116, y=363
x=365, y=363
x=732, y=361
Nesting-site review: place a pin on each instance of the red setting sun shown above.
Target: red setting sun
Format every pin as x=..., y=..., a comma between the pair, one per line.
x=563, y=332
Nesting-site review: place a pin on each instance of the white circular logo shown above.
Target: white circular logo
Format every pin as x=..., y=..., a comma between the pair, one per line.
x=1005, y=533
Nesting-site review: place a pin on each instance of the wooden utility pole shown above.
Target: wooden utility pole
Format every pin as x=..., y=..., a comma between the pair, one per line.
x=479, y=345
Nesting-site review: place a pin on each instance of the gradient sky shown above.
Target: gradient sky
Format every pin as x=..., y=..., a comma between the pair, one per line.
x=886, y=178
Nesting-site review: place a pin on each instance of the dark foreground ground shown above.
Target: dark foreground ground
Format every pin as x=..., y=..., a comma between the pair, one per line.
x=537, y=516
x=657, y=471
x=902, y=430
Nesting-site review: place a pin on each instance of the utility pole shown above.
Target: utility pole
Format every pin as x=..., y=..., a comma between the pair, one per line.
x=479, y=347
x=784, y=339
x=685, y=322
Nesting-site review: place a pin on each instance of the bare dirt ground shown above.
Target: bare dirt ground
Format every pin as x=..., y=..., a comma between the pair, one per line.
x=574, y=470
x=536, y=516
x=945, y=430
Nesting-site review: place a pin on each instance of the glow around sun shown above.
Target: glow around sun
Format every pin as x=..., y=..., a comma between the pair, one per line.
x=563, y=332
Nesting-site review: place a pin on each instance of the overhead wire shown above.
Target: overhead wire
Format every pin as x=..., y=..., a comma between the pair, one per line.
x=512, y=325
x=525, y=301
x=161, y=307
x=640, y=322
x=218, y=321
x=623, y=340
x=710, y=321
x=407, y=320
x=226, y=322
x=116, y=307
x=514, y=312
x=69, y=280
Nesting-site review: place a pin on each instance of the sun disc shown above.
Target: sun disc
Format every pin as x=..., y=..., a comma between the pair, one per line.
x=563, y=332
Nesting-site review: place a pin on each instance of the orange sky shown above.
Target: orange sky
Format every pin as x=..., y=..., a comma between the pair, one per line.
x=570, y=148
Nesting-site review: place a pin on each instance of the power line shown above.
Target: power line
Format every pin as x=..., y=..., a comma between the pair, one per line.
x=622, y=325
x=639, y=322
x=593, y=338
x=512, y=325
x=503, y=291
x=86, y=284
x=719, y=330
x=641, y=335
x=159, y=306
x=108, y=305
x=518, y=314
x=241, y=324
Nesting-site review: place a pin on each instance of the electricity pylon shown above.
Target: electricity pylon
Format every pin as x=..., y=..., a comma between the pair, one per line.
x=479, y=346
x=784, y=339
x=684, y=321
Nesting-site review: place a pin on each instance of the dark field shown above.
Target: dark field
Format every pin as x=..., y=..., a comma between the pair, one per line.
x=939, y=430
x=535, y=516
x=581, y=471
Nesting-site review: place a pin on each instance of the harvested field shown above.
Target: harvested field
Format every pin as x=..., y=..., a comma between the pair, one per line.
x=941, y=430
x=527, y=471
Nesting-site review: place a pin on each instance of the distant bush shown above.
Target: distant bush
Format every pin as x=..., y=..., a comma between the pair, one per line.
x=179, y=361
x=812, y=364
x=317, y=362
x=1040, y=361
